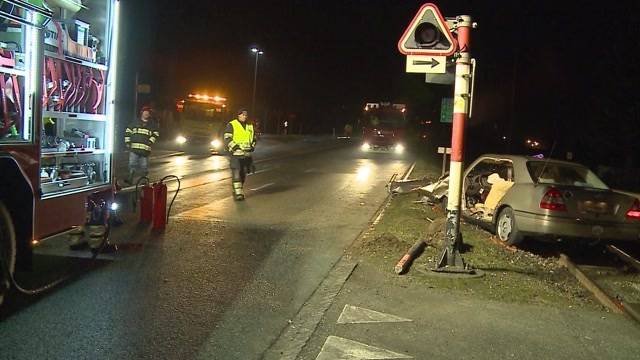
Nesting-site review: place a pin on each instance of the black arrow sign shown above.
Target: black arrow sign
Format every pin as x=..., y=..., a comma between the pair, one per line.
x=433, y=62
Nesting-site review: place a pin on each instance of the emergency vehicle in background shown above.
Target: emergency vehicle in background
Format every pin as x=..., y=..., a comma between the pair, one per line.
x=57, y=73
x=383, y=127
x=201, y=121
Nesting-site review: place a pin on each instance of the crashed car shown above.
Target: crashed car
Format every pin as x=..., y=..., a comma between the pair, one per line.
x=518, y=196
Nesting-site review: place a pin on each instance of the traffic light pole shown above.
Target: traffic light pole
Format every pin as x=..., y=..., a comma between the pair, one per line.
x=450, y=260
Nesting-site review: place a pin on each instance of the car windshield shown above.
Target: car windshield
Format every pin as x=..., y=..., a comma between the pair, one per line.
x=564, y=174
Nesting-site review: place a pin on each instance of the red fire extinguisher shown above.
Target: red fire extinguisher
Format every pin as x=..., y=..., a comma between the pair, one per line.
x=146, y=199
x=146, y=204
x=160, y=211
x=159, y=206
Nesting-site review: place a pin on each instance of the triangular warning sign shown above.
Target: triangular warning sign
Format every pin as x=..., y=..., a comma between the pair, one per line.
x=430, y=19
x=357, y=315
x=337, y=348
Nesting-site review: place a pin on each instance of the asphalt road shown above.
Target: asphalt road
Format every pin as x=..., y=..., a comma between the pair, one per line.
x=225, y=277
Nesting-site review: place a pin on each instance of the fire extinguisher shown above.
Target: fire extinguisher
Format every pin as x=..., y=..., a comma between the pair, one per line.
x=160, y=212
x=146, y=200
x=146, y=204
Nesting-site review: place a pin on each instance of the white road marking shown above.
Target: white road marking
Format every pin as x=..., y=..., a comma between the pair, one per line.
x=260, y=171
x=299, y=331
x=357, y=315
x=310, y=170
x=337, y=348
x=262, y=187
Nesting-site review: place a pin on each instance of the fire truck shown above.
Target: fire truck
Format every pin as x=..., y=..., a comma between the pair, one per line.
x=201, y=121
x=57, y=73
x=383, y=127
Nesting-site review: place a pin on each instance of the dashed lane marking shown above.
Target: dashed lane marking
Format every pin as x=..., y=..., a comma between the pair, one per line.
x=337, y=348
x=260, y=171
x=263, y=187
x=357, y=315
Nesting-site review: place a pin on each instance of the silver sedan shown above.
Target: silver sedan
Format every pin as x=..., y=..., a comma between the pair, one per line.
x=519, y=196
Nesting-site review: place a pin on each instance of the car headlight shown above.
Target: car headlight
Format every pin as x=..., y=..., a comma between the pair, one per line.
x=181, y=139
x=399, y=149
x=115, y=206
x=215, y=143
x=365, y=147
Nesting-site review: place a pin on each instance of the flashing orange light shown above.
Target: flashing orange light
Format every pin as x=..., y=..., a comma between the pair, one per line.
x=207, y=98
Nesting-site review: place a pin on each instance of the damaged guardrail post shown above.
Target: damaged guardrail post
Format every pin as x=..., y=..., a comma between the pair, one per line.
x=403, y=265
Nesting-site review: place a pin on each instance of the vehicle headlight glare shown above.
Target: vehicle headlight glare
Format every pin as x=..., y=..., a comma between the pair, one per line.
x=181, y=139
x=215, y=143
x=115, y=206
x=365, y=147
x=399, y=149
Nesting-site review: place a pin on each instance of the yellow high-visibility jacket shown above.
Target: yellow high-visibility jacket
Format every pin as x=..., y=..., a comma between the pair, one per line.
x=140, y=137
x=239, y=137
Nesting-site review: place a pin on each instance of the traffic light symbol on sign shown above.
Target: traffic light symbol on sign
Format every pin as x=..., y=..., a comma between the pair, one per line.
x=427, y=34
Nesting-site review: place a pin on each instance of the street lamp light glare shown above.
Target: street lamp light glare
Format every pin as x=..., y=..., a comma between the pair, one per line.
x=260, y=52
x=255, y=50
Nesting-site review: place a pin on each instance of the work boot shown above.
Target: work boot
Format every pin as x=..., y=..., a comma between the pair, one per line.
x=238, y=193
x=96, y=236
x=76, y=238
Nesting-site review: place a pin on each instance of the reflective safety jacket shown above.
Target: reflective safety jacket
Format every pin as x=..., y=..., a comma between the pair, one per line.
x=239, y=138
x=140, y=137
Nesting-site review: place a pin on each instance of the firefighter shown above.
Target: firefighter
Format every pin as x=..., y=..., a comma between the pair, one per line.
x=139, y=138
x=240, y=141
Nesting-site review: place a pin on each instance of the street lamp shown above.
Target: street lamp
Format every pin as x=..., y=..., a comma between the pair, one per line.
x=257, y=52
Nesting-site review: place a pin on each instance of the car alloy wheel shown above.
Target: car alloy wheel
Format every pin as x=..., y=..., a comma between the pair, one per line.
x=506, y=227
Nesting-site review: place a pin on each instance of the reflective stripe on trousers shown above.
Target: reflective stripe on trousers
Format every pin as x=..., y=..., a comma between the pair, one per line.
x=237, y=188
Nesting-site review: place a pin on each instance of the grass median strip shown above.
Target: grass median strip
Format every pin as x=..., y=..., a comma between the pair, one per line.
x=512, y=275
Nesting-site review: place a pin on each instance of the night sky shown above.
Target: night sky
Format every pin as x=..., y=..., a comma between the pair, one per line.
x=563, y=72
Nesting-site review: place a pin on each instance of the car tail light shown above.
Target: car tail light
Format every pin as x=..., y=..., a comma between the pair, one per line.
x=552, y=200
x=634, y=212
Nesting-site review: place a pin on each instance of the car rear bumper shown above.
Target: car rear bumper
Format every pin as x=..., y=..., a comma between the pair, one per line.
x=548, y=226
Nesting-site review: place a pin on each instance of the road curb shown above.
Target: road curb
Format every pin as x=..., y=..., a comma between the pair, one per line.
x=295, y=336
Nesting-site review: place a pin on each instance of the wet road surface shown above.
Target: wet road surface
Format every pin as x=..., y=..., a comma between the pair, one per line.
x=224, y=278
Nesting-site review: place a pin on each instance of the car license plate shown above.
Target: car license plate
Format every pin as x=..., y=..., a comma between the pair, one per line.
x=594, y=207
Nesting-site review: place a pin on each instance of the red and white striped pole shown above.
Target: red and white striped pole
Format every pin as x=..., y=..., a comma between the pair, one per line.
x=451, y=255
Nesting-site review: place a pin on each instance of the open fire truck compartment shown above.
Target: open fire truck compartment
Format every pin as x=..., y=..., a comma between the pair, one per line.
x=58, y=76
